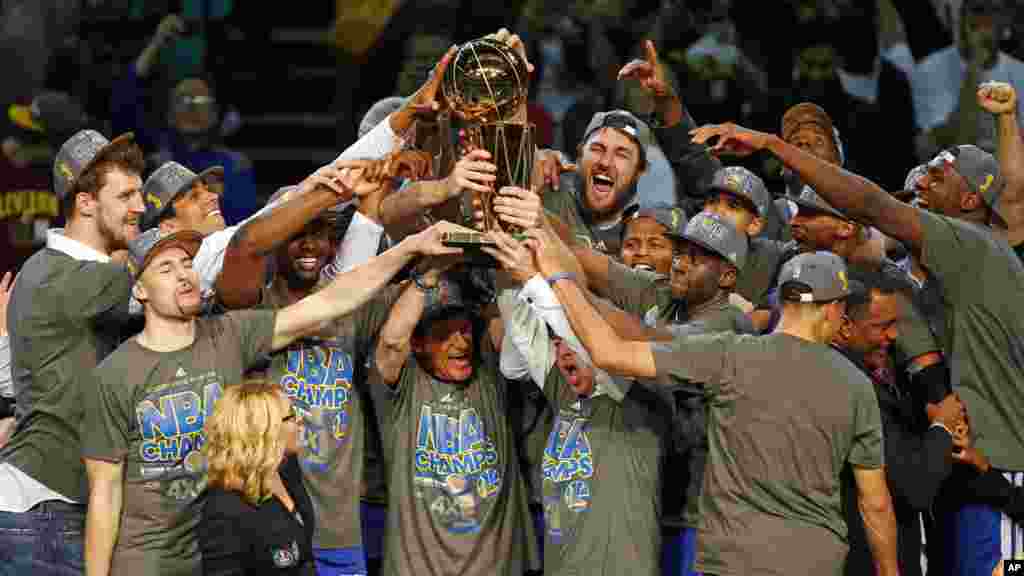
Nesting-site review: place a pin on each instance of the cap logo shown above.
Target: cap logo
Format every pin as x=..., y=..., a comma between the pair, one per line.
x=629, y=130
x=132, y=269
x=732, y=182
x=842, y=278
x=675, y=219
x=983, y=188
x=154, y=200
x=65, y=171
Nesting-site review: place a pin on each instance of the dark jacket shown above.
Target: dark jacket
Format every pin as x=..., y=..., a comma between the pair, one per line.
x=918, y=460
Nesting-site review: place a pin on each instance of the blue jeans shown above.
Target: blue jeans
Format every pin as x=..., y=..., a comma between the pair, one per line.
x=48, y=540
x=340, y=561
x=678, y=551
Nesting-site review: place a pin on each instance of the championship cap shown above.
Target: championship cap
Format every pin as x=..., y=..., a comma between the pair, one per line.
x=147, y=245
x=743, y=183
x=56, y=114
x=809, y=199
x=625, y=121
x=673, y=218
x=909, y=191
x=823, y=273
x=378, y=112
x=77, y=154
x=979, y=168
x=446, y=298
x=711, y=232
x=164, y=186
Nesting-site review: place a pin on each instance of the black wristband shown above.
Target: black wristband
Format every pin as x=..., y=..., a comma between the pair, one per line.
x=6, y=407
x=934, y=381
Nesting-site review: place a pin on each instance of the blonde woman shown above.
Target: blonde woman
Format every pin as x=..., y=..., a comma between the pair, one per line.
x=258, y=518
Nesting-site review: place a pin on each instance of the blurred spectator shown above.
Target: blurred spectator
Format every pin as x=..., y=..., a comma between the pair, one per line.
x=28, y=206
x=194, y=118
x=945, y=82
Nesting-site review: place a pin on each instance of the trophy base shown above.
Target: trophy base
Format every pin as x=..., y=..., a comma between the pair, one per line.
x=471, y=244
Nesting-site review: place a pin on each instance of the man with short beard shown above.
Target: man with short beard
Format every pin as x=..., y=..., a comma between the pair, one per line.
x=144, y=422
x=65, y=314
x=324, y=374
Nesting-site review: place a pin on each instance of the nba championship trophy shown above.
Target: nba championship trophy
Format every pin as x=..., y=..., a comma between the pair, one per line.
x=485, y=84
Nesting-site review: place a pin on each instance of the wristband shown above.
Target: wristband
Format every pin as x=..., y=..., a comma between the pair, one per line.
x=560, y=276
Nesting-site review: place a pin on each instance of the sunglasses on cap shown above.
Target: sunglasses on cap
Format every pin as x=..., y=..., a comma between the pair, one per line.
x=942, y=158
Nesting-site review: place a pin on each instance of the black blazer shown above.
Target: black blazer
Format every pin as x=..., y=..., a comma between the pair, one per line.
x=240, y=539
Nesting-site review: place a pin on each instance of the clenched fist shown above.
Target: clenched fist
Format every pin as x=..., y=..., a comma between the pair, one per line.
x=997, y=98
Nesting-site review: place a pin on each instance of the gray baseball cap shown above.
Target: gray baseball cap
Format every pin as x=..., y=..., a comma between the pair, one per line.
x=447, y=298
x=78, y=154
x=673, y=218
x=147, y=245
x=626, y=122
x=823, y=272
x=378, y=112
x=164, y=186
x=809, y=199
x=980, y=169
x=710, y=231
x=743, y=183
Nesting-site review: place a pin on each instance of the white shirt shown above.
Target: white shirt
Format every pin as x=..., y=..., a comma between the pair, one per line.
x=526, y=347
x=935, y=87
x=19, y=492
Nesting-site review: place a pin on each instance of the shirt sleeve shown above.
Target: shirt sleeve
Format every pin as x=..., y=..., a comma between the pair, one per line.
x=526, y=347
x=867, y=448
x=96, y=288
x=255, y=329
x=359, y=245
x=915, y=337
x=632, y=290
x=696, y=359
x=951, y=251
x=377, y=143
x=6, y=380
x=106, y=428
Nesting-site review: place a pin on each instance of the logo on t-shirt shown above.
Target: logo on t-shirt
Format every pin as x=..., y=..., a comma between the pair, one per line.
x=286, y=556
x=171, y=420
x=456, y=466
x=318, y=379
x=568, y=468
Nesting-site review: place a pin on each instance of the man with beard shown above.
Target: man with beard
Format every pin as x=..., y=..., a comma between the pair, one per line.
x=603, y=461
x=977, y=273
x=324, y=374
x=918, y=452
x=65, y=314
x=771, y=493
x=143, y=424
x=457, y=503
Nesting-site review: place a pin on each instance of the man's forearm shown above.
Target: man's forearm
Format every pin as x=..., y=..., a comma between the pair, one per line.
x=880, y=527
x=393, y=342
x=411, y=201
x=102, y=525
x=259, y=236
x=1011, y=156
x=609, y=352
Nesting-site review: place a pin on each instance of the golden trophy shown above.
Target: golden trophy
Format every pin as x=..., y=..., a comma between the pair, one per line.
x=485, y=84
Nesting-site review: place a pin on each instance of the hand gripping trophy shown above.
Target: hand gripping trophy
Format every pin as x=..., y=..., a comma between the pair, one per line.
x=485, y=84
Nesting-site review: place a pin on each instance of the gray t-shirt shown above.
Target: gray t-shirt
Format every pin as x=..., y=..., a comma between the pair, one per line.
x=757, y=278
x=981, y=281
x=784, y=416
x=602, y=470
x=148, y=411
x=63, y=317
x=457, y=502
x=319, y=374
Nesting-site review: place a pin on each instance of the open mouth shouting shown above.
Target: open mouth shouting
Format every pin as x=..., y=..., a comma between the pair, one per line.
x=603, y=185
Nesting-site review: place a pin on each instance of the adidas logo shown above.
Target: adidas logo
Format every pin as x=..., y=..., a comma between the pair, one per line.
x=180, y=373
x=577, y=405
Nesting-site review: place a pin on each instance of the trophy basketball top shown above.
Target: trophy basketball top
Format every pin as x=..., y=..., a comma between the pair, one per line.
x=486, y=81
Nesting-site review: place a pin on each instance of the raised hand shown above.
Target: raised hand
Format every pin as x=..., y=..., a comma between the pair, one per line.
x=519, y=207
x=997, y=98
x=514, y=42
x=731, y=139
x=429, y=242
x=551, y=256
x=425, y=101
x=515, y=258
x=548, y=168
x=648, y=72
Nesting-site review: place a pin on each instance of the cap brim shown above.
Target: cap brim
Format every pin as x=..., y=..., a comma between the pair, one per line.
x=212, y=171
x=811, y=206
x=21, y=116
x=707, y=247
x=187, y=240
